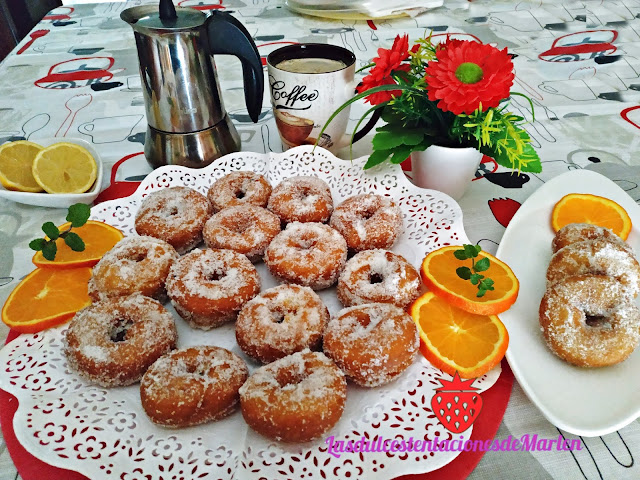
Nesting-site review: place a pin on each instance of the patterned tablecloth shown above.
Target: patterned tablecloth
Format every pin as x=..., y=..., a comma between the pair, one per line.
x=578, y=61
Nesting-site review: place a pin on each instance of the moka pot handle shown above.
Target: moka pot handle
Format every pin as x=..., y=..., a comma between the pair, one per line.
x=227, y=36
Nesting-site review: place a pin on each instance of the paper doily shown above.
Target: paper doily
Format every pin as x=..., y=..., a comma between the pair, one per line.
x=104, y=433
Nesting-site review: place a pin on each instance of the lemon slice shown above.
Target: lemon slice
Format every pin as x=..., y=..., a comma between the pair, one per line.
x=16, y=160
x=65, y=168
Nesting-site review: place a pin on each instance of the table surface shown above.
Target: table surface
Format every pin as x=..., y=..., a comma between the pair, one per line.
x=586, y=116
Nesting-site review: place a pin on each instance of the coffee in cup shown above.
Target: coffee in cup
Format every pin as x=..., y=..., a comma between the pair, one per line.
x=308, y=82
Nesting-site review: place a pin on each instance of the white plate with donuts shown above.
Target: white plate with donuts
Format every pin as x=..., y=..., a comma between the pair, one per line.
x=105, y=432
x=582, y=401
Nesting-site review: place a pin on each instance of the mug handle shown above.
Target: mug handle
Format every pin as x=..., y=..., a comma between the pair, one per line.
x=227, y=36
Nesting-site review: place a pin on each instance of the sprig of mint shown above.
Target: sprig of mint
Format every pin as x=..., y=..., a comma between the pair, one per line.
x=78, y=215
x=471, y=274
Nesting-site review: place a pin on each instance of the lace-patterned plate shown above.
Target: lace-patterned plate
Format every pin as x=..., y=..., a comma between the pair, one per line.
x=104, y=433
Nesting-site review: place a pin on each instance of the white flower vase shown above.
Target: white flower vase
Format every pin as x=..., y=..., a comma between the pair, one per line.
x=446, y=169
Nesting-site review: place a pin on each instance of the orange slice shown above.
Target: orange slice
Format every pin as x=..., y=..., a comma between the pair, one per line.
x=586, y=208
x=46, y=298
x=439, y=275
x=98, y=239
x=453, y=339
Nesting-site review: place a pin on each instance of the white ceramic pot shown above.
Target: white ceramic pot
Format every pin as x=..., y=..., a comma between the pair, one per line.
x=446, y=169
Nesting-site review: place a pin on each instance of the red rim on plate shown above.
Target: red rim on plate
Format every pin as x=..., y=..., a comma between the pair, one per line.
x=495, y=401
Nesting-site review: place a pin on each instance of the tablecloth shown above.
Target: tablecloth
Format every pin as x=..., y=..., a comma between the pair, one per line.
x=577, y=60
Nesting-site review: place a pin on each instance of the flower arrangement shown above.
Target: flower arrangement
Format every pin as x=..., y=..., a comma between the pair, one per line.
x=452, y=94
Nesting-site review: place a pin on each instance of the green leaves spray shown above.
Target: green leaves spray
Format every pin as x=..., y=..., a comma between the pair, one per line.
x=472, y=274
x=78, y=215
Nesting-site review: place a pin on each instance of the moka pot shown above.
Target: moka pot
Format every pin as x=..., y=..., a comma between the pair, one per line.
x=187, y=122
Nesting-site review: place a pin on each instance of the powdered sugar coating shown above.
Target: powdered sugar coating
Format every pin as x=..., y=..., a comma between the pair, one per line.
x=192, y=385
x=176, y=215
x=378, y=276
x=246, y=229
x=590, y=321
x=579, y=232
x=239, y=188
x=135, y=264
x=280, y=321
x=368, y=221
x=113, y=342
x=302, y=199
x=294, y=399
x=309, y=254
x=597, y=257
x=372, y=343
x=209, y=287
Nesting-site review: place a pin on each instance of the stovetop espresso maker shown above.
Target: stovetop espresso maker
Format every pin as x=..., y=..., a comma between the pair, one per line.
x=187, y=122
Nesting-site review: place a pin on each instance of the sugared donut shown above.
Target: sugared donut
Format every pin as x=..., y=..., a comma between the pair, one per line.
x=597, y=257
x=281, y=321
x=589, y=320
x=246, y=229
x=378, y=276
x=301, y=199
x=368, y=221
x=192, y=385
x=209, y=287
x=294, y=399
x=113, y=342
x=372, y=343
x=135, y=264
x=239, y=188
x=580, y=232
x=176, y=215
x=310, y=254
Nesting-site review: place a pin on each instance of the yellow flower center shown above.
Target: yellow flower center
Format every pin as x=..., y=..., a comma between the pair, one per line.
x=469, y=73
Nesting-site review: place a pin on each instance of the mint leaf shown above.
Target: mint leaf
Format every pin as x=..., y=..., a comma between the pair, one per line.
x=50, y=230
x=37, y=244
x=464, y=272
x=78, y=214
x=49, y=251
x=470, y=250
x=486, y=284
x=74, y=242
x=475, y=278
x=480, y=293
x=460, y=254
x=481, y=265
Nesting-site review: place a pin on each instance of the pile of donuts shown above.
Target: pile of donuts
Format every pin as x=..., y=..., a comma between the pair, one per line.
x=299, y=392
x=588, y=314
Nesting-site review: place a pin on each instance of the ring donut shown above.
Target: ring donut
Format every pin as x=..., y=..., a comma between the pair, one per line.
x=589, y=321
x=239, y=188
x=301, y=199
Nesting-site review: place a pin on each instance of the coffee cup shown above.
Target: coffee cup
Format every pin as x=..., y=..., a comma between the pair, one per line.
x=308, y=82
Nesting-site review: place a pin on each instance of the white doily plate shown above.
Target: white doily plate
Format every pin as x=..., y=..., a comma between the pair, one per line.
x=104, y=433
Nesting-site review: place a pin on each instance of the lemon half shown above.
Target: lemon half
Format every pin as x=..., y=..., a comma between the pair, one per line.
x=16, y=162
x=65, y=168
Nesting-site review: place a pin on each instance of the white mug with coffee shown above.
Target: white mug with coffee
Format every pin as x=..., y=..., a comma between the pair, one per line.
x=308, y=82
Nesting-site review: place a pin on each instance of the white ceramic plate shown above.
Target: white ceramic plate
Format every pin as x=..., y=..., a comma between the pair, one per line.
x=582, y=401
x=59, y=200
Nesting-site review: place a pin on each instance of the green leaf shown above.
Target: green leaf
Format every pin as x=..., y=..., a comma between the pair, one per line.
x=377, y=158
x=463, y=272
x=50, y=230
x=401, y=153
x=74, y=242
x=475, y=278
x=49, y=251
x=387, y=140
x=471, y=251
x=78, y=214
x=482, y=265
x=460, y=254
x=486, y=284
x=480, y=293
x=37, y=244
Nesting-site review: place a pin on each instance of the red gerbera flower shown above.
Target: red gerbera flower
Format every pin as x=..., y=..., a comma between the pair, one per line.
x=386, y=62
x=467, y=74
